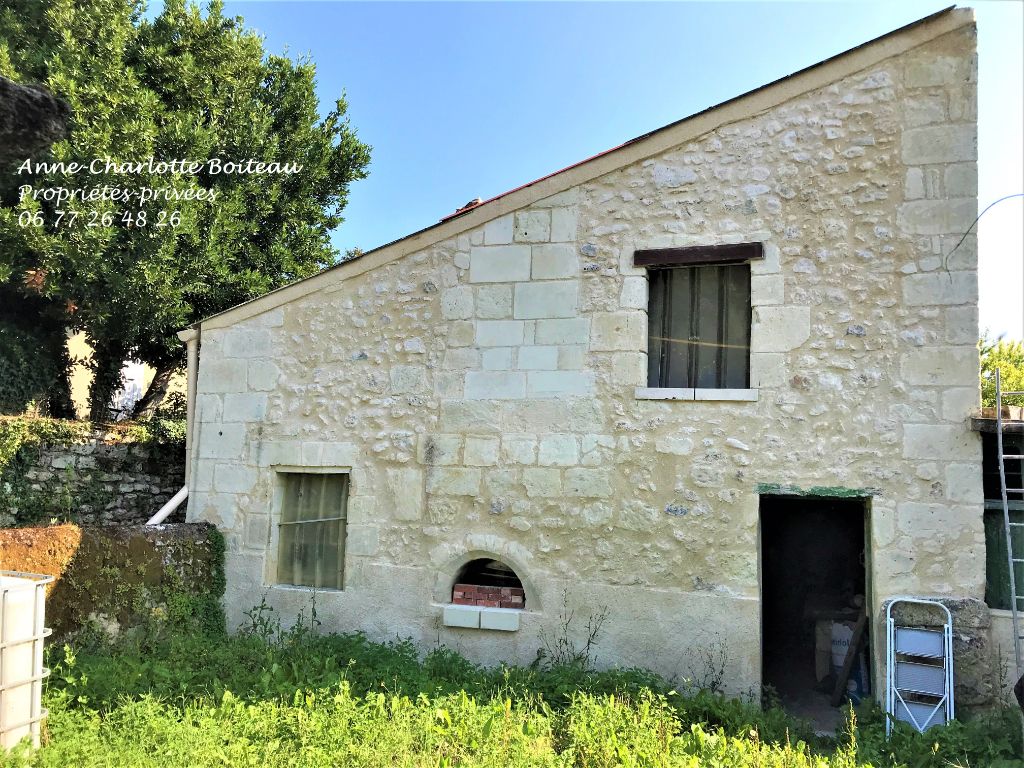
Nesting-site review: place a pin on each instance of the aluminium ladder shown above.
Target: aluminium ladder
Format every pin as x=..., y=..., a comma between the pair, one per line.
x=1013, y=560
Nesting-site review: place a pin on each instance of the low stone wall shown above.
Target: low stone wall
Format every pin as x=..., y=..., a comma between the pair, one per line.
x=123, y=578
x=97, y=478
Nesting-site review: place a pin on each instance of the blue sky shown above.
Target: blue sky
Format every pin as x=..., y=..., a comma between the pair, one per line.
x=465, y=100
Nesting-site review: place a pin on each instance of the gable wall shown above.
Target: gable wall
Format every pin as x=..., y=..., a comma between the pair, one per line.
x=482, y=390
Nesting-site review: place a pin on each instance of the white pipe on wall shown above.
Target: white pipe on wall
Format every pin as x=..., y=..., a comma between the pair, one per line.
x=169, y=507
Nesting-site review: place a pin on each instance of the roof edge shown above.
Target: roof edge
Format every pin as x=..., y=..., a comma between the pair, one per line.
x=739, y=107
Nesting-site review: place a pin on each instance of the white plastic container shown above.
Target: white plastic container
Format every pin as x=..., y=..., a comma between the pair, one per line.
x=22, y=602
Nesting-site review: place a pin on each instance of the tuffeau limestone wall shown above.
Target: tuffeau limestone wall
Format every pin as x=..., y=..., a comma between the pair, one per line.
x=483, y=390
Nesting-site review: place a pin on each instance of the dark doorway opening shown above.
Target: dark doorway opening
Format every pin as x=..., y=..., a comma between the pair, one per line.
x=813, y=595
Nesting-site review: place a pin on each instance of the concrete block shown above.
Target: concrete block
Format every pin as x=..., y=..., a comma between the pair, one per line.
x=498, y=231
x=467, y=616
x=555, y=260
x=504, y=619
x=546, y=299
x=537, y=358
x=558, y=383
x=611, y=331
x=494, y=302
x=564, y=224
x=457, y=303
x=532, y=226
x=495, y=385
x=940, y=366
x=570, y=331
x=497, y=359
x=779, y=329
x=453, y=481
x=499, y=333
x=499, y=263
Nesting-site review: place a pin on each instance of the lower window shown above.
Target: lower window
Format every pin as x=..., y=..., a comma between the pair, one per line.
x=997, y=565
x=312, y=529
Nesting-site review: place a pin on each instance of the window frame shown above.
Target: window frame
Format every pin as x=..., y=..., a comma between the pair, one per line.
x=696, y=257
x=281, y=497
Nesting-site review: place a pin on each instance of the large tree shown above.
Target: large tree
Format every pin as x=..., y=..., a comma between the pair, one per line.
x=186, y=84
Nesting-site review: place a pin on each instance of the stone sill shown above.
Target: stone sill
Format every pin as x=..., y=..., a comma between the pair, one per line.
x=474, y=617
x=719, y=395
x=303, y=588
x=1000, y=613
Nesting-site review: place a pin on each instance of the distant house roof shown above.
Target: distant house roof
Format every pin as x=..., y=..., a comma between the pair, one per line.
x=476, y=212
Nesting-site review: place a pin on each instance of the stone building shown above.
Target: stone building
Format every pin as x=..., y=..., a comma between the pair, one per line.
x=717, y=380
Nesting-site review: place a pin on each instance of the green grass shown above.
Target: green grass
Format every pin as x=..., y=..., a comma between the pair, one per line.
x=272, y=698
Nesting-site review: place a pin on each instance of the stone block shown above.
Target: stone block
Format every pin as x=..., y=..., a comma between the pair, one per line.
x=554, y=261
x=570, y=331
x=767, y=290
x=494, y=302
x=247, y=342
x=457, y=303
x=453, y=481
x=405, y=493
x=767, y=369
x=548, y=299
x=362, y=540
x=498, y=231
x=940, y=442
x=629, y=368
x=940, y=287
x=462, y=357
x=222, y=441
x=537, y=358
x=936, y=71
x=481, y=451
x=571, y=358
x=559, y=383
x=434, y=450
x=497, y=359
x=542, y=482
x=499, y=263
x=263, y=375
x=612, y=331
x=779, y=329
x=963, y=483
x=519, y=449
x=961, y=180
x=940, y=144
x=634, y=293
x=495, y=385
x=940, y=366
x=234, y=478
x=913, y=185
x=962, y=324
x=936, y=217
x=958, y=403
x=408, y=379
x=588, y=483
x=558, y=451
x=532, y=226
x=499, y=333
x=209, y=408
x=225, y=375
x=564, y=223
x=245, y=407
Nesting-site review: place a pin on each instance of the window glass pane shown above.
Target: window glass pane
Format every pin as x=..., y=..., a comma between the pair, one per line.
x=1012, y=444
x=699, y=327
x=997, y=575
x=311, y=549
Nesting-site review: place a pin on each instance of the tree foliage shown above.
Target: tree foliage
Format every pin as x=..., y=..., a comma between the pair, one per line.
x=185, y=84
x=1008, y=357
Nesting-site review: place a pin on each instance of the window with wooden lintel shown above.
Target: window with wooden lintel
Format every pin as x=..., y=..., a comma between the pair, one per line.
x=311, y=529
x=699, y=315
